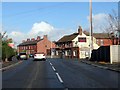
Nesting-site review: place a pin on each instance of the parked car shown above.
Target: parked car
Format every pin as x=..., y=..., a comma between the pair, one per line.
x=22, y=56
x=39, y=56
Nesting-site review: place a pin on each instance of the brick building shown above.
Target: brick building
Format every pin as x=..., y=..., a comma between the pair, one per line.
x=103, y=39
x=36, y=45
x=76, y=45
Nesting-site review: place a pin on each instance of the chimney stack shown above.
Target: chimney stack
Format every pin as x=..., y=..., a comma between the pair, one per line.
x=33, y=39
x=28, y=39
x=80, y=30
x=45, y=37
x=38, y=38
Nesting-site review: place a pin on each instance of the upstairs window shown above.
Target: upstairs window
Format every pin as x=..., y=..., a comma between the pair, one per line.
x=102, y=42
x=82, y=39
x=97, y=41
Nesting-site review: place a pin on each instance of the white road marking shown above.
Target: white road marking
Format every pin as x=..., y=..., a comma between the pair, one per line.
x=56, y=73
x=53, y=68
x=59, y=78
x=51, y=64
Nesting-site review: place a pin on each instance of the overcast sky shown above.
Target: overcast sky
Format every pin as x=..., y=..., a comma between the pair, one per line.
x=24, y=20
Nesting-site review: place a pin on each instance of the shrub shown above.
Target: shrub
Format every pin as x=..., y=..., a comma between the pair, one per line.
x=7, y=52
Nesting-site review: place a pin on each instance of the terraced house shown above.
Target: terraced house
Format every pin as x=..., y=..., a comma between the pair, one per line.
x=36, y=45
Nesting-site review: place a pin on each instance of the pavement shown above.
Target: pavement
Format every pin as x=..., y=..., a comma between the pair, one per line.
x=113, y=67
x=8, y=64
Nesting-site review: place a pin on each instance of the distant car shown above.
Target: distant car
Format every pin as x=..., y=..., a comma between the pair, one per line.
x=22, y=56
x=39, y=56
x=31, y=55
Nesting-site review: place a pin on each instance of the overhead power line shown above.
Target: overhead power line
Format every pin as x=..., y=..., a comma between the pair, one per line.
x=35, y=10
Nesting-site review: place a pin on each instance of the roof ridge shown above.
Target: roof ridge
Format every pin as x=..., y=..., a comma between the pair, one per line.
x=68, y=37
x=30, y=42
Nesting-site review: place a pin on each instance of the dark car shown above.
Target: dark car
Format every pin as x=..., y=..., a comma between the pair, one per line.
x=31, y=55
x=22, y=56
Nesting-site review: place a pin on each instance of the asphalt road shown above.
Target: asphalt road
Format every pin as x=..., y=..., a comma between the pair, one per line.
x=58, y=73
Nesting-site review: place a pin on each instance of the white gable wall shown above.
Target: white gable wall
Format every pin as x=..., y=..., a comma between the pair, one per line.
x=84, y=46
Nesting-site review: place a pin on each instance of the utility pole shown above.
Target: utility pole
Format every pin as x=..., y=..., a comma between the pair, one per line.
x=91, y=29
x=51, y=49
x=118, y=23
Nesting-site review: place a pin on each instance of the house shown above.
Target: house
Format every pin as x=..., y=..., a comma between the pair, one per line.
x=103, y=39
x=76, y=45
x=36, y=45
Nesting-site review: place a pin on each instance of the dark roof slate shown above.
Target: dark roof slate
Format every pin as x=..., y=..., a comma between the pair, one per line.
x=68, y=38
x=101, y=35
x=29, y=43
x=74, y=35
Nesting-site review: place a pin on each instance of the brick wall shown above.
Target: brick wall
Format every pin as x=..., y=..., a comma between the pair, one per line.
x=106, y=42
x=44, y=44
x=30, y=49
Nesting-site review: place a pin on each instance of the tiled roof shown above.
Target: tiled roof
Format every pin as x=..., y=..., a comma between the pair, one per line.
x=72, y=36
x=29, y=43
x=98, y=35
x=101, y=35
x=68, y=37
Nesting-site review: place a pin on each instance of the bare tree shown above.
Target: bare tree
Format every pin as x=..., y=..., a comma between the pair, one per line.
x=112, y=28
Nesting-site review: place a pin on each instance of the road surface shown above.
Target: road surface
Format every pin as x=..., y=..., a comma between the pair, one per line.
x=58, y=73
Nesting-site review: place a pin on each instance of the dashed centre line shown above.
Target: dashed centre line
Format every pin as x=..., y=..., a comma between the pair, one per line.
x=53, y=68
x=58, y=76
x=50, y=63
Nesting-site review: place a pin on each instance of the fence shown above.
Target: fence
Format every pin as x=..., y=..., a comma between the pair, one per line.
x=101, y=54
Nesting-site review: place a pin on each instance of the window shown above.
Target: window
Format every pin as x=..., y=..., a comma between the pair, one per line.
x=45, y=45
x=56, y=52
x=75, y=53
x=66, y=53
x=97, y=41
x=101, y=42
x=23, y=47
x=82, y=39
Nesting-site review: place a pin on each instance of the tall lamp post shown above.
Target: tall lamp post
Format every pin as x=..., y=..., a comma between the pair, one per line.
x=91, y=29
